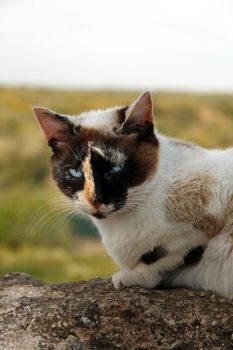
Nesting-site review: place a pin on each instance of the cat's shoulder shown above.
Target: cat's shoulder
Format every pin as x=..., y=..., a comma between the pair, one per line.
x=178, y=151
x=180, y=143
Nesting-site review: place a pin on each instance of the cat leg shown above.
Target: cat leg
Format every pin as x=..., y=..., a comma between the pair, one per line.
x=129, y=278
x=155, y=265
x=214, y=272
x=147, y=275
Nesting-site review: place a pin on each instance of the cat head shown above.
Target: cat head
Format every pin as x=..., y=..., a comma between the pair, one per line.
x=101, y=157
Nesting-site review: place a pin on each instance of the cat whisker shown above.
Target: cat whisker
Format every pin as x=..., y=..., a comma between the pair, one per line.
x=46, y=218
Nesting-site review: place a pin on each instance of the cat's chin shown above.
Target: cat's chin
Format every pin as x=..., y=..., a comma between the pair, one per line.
x=118, y=212
x=111, y=212
x=98, y=215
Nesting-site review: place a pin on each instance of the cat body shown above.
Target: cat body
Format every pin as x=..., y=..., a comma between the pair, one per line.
x=203, y=188
x=163, y=207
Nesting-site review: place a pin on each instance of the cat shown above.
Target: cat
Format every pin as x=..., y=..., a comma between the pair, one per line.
x=163, y=206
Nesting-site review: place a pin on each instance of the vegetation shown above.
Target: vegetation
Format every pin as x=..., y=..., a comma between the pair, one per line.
x=36, y=234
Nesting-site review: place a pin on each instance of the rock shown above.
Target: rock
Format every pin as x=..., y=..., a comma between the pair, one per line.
x=92, y=315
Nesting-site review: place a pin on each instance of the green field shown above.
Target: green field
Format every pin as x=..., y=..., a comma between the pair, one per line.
x=36, y=234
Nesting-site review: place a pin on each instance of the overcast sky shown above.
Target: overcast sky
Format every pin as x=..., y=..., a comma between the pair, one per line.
x=166, y=44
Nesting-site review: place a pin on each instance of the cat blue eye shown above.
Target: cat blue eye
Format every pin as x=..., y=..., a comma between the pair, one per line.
x=75, y=173
x=116, y=168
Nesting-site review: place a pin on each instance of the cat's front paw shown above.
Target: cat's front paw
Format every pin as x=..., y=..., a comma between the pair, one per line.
x=126, y=278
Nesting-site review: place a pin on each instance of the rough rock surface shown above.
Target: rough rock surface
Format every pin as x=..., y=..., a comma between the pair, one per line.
x=92, y=315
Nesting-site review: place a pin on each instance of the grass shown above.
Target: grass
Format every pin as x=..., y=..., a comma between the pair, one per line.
x=35, y=237
x=59, y=264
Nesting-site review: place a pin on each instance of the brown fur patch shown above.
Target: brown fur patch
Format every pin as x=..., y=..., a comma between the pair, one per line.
x=187, y=202
x=148, y=156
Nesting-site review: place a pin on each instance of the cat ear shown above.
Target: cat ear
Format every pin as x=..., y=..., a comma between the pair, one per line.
x=139, y=116
x=54, y=126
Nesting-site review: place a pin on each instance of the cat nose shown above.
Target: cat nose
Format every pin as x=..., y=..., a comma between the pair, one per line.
x=96, y=204
x=98, y=198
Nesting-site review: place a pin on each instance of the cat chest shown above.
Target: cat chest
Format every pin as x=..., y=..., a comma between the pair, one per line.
x=130, y=247
x=126, y=254
x=127, y=247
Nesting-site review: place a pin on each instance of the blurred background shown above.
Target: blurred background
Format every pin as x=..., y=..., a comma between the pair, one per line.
x=74, y=55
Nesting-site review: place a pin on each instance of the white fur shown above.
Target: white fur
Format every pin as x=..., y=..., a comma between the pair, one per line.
x=103, y=120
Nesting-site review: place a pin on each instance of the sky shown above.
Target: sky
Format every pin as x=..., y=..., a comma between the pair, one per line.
x=155, y=44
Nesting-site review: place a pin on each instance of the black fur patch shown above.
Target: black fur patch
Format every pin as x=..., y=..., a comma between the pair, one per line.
x=153, y=255
x=108, y=189
x=194, y=255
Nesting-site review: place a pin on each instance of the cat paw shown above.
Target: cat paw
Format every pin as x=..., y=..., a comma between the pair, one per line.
x=126, y=278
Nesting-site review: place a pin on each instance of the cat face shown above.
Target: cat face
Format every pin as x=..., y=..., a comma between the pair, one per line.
x=98, y=157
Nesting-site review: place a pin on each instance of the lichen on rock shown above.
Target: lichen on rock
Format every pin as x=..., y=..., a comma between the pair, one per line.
x=93, y=315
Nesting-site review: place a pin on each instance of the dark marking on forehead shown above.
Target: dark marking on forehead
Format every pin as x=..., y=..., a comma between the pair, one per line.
x=194, y=255
x=144, y=153
x=153, y=255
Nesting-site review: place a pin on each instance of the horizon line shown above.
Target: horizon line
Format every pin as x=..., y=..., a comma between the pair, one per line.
x=106, y=88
